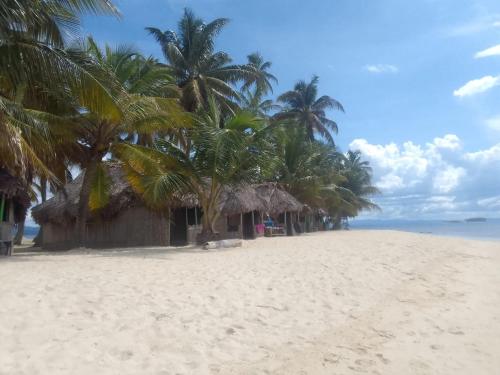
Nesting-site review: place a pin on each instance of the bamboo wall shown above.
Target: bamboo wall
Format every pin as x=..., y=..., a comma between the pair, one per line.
x=136, y=226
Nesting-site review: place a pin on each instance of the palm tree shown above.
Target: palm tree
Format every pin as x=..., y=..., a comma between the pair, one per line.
x=223, y=155
x=96, y=136
x=252, y=101
x=357, y=187
x=200, y=72
x=304, y=108
x=36, y=72
x=261, y=78
x=307, y=170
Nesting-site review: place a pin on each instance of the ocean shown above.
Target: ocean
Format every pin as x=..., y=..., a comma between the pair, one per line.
x=488, y=230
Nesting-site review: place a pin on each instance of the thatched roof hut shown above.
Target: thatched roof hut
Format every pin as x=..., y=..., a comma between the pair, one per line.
x=241, y=199
x=63, y=207
x=12, y=189
x=276, y=199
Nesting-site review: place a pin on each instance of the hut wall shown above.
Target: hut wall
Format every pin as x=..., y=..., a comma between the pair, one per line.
x=229, y=227
x=136, y=226
x=193, y=231
x=58, y=236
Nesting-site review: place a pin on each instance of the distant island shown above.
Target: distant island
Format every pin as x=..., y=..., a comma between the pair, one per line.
x=476, y=220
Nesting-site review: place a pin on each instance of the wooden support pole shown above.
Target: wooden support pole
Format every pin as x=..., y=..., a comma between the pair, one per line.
x=2, y=207
x=253, y=224
x=195, y=215
x=241, y=224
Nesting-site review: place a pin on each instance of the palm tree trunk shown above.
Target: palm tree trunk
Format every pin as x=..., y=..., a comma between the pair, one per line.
x=18, y=238
x=83, y=204
x=38, y=240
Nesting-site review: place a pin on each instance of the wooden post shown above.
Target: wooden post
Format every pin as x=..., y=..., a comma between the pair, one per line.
x=2, y=207
x=286, y=227
x=195, y=215
x=241, y=225
x=253, y=224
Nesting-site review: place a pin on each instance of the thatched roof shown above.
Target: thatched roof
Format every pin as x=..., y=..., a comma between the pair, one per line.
x=276, y=199
x=13, y=189
x=241, y=199
x=63, y=207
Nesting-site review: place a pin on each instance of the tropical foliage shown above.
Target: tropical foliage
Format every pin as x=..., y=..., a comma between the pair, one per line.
x=193, y=123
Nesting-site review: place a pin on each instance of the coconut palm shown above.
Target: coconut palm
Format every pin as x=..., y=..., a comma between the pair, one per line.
x=357, y=187
x=261, y=79
x=306, y=110
x=200, y=72
x=222, y=155
x=36, y=71
x=308, y=170
x=251, y=100
x=142, y=115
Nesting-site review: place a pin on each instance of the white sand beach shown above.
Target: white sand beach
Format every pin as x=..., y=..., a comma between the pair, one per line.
x=374, y=302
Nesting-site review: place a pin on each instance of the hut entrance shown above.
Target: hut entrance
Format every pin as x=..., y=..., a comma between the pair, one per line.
x=178, y=227
x=248, y=226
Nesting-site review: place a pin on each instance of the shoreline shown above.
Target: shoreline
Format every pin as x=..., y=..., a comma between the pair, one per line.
x=384, y=302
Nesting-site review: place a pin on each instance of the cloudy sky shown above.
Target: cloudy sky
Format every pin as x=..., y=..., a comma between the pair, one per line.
x=420, y=81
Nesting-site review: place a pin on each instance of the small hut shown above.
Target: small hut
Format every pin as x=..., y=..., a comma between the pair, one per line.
x=241, y=210
x=14, y=202
x=125, y=221
x=283, y=207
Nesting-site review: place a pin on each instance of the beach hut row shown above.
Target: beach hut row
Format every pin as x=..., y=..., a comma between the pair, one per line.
x=14, y=202
x=126, y=221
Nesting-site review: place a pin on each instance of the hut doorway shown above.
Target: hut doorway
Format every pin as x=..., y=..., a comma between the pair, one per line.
x=248, y=226
x=178, y=227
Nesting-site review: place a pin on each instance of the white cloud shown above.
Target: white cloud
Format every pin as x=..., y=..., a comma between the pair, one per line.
x=448, y=179
x=434, y=179
x=492, y=202
x=492, y=51
x=487, y=156
x=493, y=123
x=477, y=86
x=381, y=68
x=475, y=26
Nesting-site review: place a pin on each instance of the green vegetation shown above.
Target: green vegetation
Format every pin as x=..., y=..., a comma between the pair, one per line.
x=191, y=124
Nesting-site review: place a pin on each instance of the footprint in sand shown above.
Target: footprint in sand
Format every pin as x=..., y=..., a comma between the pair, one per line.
x=456, y=331
x=331, y=358
x=384, y=360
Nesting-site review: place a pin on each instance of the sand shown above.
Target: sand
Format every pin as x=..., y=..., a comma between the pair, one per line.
x=369, y=302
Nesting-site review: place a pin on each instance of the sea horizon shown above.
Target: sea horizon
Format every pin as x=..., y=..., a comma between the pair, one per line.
x=478, y=230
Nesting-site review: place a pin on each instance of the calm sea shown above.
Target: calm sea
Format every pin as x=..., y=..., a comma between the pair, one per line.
x=488, y=230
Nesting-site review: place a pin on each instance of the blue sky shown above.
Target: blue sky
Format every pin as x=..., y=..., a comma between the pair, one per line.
x=418, y=81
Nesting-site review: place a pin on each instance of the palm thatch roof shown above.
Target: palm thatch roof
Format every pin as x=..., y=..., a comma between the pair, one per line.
x=276, y=199
x=63, y=207
x=241, y=199
x=13, y=189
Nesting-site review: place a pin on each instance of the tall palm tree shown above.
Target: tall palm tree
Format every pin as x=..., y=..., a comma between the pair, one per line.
x=251, y=100
x=200, y=72
x=357, y=185
x=222, y=155
x=304, y=108
x=261, y=78
x=36, y=72
x=142, y=115
x=308, y=170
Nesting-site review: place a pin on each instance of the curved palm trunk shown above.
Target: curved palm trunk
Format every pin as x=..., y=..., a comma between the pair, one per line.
x=210, y=215
x=38, y=240
x=83, y=204
x=18, y=238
